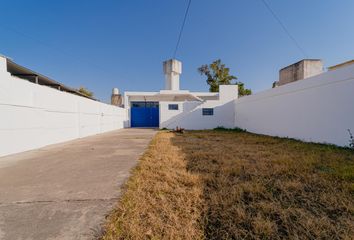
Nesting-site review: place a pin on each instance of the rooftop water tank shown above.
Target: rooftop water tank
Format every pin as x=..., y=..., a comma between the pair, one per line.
x=115, y=91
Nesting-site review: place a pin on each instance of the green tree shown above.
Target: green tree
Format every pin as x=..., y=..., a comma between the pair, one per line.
x=242, y=91
x=217, y=74
x=85, y=92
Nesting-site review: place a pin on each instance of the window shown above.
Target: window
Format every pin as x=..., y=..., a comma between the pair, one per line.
x=172, y=106
x=208, y=111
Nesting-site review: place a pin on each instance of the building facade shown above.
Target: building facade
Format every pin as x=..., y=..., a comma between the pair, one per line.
x=172, y=107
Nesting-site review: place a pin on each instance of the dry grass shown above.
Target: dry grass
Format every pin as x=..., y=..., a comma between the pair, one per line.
x=161, y=200
x=229, y=185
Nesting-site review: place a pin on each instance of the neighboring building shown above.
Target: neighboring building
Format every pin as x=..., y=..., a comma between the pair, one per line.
x=24, y=73
x=335, y=67
x=172, y=107
x=300, y=70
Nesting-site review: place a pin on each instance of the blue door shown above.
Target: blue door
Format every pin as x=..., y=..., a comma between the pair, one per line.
x=144, y=114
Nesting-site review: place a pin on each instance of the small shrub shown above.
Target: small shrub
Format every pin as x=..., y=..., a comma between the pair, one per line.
x=236, y=129
x=351, y=141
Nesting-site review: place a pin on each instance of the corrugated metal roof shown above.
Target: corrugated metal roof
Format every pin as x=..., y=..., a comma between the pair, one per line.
x=32, y=76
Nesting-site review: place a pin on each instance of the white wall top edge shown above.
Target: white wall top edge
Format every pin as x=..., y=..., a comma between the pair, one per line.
x=330, y=77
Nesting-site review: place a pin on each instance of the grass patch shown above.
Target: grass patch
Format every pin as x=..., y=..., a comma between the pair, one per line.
x=236, y=185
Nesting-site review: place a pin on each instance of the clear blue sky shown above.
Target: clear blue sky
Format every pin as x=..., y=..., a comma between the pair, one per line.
x=103, y=44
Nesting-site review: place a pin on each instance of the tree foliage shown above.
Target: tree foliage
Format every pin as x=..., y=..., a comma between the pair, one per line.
x=85, y=92
x=242, y=91
x=218, y=74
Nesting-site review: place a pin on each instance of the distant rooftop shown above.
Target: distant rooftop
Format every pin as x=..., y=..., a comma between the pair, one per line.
x=24, y=73
x=341, y=65
x=303, y=60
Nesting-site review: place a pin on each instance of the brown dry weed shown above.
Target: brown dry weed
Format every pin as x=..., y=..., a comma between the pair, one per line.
x=231, y=185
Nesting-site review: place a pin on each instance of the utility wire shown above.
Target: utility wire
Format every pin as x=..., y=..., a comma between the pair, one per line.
x=182, y=27
x=284, y=28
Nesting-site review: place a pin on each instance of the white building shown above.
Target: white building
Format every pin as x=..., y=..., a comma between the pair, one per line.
x=172, y=107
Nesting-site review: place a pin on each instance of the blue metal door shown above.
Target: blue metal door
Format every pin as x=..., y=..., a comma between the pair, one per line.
x=154, y=114
x=144, y=114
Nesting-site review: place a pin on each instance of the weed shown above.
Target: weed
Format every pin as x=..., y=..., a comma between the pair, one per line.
x=236, y=129
x=351, y=140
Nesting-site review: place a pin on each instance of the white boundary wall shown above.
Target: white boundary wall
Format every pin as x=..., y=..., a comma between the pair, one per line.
x=33, y=116
x=317, y=109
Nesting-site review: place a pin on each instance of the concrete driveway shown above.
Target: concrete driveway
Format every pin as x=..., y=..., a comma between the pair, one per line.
x=64, y=191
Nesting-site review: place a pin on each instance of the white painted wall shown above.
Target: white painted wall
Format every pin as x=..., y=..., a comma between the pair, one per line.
x=33, y=116
x=189, y=115
x=317, y=109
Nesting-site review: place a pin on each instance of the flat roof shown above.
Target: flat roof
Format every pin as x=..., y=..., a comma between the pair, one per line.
x=341, y=65
x=303, y=60
x=163, y=97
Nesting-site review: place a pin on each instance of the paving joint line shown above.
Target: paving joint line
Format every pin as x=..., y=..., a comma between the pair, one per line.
x=61, y=201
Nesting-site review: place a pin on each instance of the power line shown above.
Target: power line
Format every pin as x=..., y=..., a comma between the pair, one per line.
x=284, y=28
x=182, y=27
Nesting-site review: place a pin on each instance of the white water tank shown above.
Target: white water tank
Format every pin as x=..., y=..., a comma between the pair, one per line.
x=115, y=91
x=116, y=98
x=172, y=69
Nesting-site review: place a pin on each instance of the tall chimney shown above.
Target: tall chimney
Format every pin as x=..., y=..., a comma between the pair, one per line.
x=172, y=69
x=116, y=98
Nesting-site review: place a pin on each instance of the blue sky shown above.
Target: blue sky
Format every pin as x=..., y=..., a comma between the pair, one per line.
x=115, y=43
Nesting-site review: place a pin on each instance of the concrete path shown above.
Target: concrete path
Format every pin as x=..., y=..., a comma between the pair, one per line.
x=64, y=191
